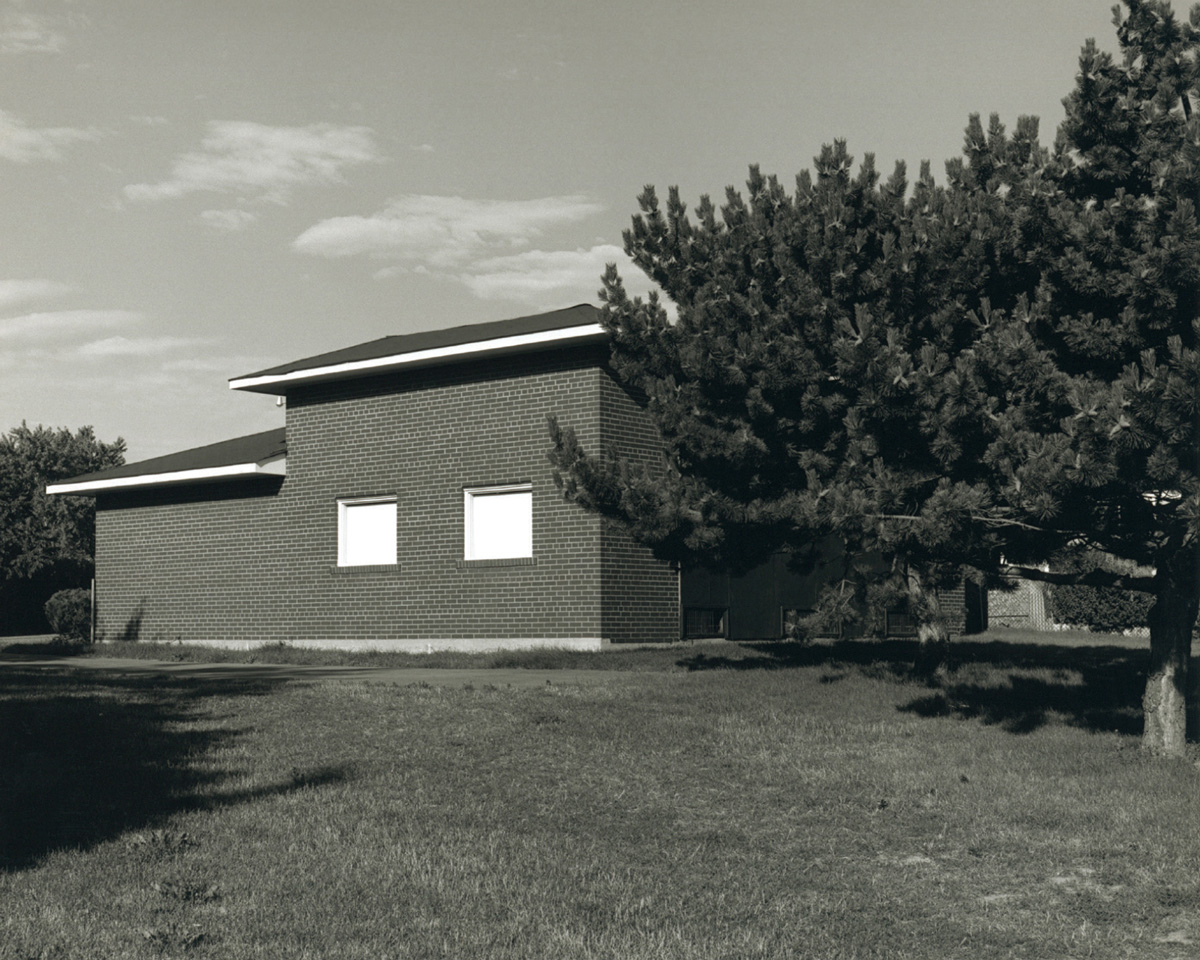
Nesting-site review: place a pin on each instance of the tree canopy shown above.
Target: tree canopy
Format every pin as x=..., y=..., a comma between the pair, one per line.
x=48, y=539
x=979, y=372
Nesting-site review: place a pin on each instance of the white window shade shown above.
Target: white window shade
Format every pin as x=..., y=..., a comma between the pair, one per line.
x=366, y=532
x=499, y=522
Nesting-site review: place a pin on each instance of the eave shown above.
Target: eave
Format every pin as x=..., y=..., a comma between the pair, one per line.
x=274, y=467
x=499, y=346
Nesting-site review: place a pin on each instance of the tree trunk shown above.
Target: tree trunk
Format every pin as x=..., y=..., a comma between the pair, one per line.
x=1172, y=618
x=933, y=629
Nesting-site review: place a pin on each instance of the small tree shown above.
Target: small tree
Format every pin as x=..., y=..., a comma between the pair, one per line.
x=980, y=373
x=46, y=542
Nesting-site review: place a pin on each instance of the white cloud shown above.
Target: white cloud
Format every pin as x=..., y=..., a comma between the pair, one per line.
x=13, y=292
x=135, y=346
x=443, y=232
x=106, y=368
x=537, y=275
x=228, y=220
x=28, y=342
x=40, y=326
x=23, y=144
x=227, y=366
x=22, y=32
x=488, y=246
x=266, y=163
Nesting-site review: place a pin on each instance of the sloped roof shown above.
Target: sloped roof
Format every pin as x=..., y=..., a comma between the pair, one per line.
x=262, y=454
x=577, y=324
x=256, y=455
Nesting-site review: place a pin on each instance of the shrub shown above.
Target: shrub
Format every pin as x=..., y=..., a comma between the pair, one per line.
x=70, y=615
x=1105, y=609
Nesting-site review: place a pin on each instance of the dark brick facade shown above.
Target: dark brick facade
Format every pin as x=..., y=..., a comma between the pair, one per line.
x=758, y=603
x=256, y=561
x=639, y=597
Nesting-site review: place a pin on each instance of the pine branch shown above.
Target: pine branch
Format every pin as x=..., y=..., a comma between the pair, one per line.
x=1005, y=522
x=1090, y=578
x=978, y=518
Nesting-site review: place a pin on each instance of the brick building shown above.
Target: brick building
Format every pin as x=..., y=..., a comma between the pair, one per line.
x=409, y=504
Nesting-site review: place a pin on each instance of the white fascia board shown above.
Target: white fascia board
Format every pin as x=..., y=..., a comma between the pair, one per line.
x=276, y=467
x=458, y=351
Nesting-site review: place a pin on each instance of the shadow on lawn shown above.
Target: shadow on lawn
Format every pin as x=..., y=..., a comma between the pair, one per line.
x=1019, y=686
x=85, y=761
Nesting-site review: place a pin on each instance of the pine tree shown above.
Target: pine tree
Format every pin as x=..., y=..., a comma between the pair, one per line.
x=1103, y=444
x=978, y=373
x=793, y=391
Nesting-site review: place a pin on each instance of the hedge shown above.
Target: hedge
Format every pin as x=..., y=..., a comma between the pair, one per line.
x=1104, y=609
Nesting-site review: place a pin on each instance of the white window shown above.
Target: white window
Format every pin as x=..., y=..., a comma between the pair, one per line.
x=366, y=531
x=498, y=522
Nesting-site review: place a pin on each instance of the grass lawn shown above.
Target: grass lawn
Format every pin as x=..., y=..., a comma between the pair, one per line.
x=721, y=801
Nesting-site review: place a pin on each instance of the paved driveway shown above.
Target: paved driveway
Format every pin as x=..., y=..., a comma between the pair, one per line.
x=298, y=672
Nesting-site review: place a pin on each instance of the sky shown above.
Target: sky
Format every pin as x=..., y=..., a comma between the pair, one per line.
x=193, y=190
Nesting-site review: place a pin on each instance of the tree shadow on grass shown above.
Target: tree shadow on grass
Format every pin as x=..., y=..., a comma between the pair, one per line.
x=1018, y=686
x=86, y=760
x=779, y=654
x=1024, y=686
x=892, y=656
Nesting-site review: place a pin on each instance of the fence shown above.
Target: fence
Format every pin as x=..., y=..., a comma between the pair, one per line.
x=1021, y=605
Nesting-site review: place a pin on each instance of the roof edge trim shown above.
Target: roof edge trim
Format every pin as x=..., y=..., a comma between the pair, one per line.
x=456, y=351
x=273, y=467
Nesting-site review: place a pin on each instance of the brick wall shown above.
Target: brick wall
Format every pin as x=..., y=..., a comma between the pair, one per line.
x=258, y=563
x=640, y=595
x=954, y=605
x=189, y=563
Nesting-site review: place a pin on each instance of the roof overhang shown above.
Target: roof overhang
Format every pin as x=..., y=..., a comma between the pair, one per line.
x=498, y=346
x=275, y=467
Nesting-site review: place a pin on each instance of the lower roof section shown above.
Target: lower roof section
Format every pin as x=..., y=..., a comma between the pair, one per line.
x=257, y=455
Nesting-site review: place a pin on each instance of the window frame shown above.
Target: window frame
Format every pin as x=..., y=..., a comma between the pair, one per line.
x=345, y=505
x=485, y=490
